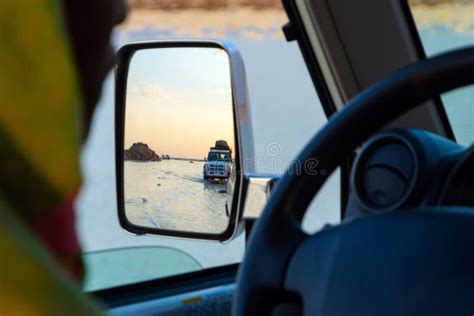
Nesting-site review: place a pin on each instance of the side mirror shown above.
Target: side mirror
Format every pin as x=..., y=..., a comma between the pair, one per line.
x=176, y=102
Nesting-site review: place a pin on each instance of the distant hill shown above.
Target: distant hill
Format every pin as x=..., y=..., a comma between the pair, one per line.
x=141, y=152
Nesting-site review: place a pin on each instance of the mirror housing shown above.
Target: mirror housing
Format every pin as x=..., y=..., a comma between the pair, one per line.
x=244, y=151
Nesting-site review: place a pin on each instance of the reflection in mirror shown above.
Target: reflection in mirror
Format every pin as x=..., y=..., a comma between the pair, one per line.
x=179, y=139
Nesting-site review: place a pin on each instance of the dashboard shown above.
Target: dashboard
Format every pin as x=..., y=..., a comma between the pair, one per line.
x=204, y=292
x=409, y=168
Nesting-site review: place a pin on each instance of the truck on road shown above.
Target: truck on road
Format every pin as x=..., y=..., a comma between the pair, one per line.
x=218, y=164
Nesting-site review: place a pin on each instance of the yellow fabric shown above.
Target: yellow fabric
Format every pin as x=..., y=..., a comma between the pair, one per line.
x=38, y=91
x=39, y=118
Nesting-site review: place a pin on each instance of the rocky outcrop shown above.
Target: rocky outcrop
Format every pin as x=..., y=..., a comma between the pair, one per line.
x=141, y=152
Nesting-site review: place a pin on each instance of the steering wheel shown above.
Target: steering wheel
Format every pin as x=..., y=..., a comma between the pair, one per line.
x=418, y=261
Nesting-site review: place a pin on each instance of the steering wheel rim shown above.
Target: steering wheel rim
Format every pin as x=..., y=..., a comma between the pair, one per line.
x=277, y=233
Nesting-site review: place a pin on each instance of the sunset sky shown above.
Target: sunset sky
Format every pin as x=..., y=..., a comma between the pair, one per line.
x=179, y=100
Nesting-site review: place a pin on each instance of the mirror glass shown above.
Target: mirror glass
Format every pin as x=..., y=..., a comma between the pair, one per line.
x=179, y=139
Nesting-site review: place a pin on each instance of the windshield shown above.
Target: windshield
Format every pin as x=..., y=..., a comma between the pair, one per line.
x=218, y=156
x=280, y=132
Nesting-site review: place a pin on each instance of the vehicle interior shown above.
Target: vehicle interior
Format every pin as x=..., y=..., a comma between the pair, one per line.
x=402, y=247
x=402, y=243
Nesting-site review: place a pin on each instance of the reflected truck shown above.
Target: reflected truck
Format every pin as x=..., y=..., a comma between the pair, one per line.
x=218, y=162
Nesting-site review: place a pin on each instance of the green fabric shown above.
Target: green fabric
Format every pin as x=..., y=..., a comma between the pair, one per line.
x=39, y=156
